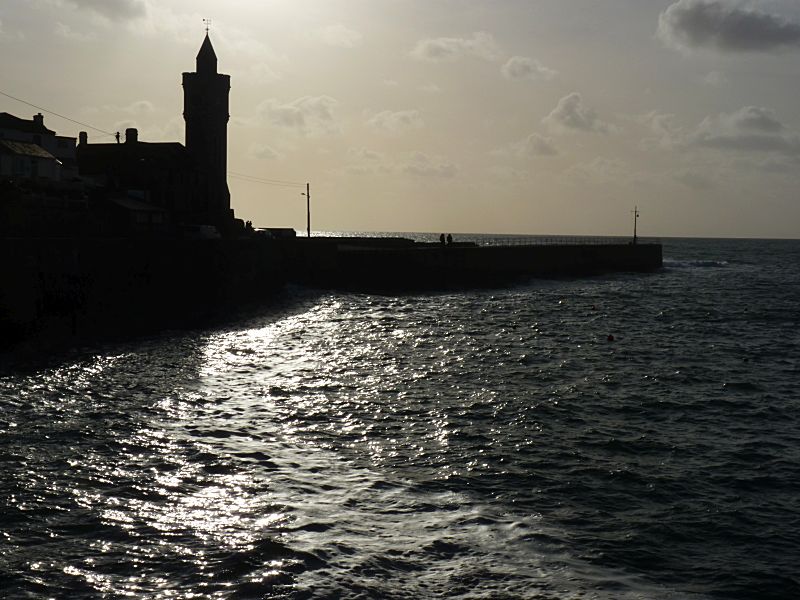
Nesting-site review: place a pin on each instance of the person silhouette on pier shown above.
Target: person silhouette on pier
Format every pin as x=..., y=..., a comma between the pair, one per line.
x=441, y=239
x=449, y=239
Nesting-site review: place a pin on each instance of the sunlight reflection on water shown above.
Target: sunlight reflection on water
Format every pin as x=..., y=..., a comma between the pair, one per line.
x=480, y=444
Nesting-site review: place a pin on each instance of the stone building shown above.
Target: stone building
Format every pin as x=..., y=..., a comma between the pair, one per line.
x=31, y=151
x=205, y=110
x=188, y=183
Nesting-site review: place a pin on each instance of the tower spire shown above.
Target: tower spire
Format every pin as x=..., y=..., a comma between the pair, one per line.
x=207, y=58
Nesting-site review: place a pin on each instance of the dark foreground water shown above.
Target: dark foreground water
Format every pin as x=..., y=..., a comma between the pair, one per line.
x=482, y=444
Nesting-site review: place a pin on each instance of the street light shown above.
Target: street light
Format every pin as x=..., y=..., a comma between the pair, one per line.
x=308, y=208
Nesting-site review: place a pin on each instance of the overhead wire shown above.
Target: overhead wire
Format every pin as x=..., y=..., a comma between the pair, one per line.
x=56, y=114
x=241, y=176
x=275, y=182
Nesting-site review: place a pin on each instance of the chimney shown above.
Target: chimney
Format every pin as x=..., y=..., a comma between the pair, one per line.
x=131, y=135
x=83, y=138
x=38, y=119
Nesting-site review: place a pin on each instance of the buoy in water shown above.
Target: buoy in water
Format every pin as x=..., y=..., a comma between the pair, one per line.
x=610, y=337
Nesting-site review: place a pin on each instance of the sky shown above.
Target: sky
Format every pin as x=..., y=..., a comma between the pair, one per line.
x=552, y=117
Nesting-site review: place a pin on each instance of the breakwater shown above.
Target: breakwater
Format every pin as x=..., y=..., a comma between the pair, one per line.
x=398, y=264
x=69, y=289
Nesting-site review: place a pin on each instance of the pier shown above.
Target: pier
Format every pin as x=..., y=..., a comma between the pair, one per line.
x=77, y=288
x=400, y=264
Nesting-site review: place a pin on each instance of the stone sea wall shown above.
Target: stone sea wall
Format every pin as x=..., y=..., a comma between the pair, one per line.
x=69, y=289
x=408, y=266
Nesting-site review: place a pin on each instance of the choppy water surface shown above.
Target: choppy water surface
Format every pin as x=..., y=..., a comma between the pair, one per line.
x=483, y=444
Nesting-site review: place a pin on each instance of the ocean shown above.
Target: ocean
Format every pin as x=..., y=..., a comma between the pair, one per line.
x=480, y=444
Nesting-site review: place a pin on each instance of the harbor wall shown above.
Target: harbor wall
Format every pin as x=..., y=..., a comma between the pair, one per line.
x=71, y=289
x=428, y=266
x=54, y=289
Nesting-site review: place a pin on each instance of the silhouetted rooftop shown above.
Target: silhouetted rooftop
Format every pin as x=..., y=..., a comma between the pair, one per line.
x=9, y=121
x=102, y=158
x=24, y=149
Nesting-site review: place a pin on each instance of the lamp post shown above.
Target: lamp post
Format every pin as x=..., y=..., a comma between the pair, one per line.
x=635, y=218
x=308, y=208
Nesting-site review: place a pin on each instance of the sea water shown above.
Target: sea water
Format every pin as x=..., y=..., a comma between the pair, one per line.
x=487, y=443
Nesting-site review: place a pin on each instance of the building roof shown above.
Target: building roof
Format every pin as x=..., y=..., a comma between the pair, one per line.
x=9, y=121
x=95, y=159
x=206, y=58
x=24, y=149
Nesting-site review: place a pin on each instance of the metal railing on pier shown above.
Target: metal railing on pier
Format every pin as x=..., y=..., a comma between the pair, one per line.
x=560, y=241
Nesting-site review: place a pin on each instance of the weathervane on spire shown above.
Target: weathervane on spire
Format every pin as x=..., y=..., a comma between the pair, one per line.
x=208, y=24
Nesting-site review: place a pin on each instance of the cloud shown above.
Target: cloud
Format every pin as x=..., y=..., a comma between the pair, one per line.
x=777, y=165
x=362, y=161
x=715, y=78
x=260, y=72
x=422, y=165
x=693, y=24
x=749, y=129
x=666, y=132
x=508, y=174
x=535, y=145
x=115, y=10
x=364, y=154
x=481, y=44
x=169, y=130
x=340, y=36
x=5, y=36
x=397, y=121
x=139, y=107
x=750, y=118
x=308, y=115
x=68, y=33
x=136, y=108
x=262, y=152
x=693, y=179
x=260, y=63
x=520, y=67
x=571, y=114
x=602, y=170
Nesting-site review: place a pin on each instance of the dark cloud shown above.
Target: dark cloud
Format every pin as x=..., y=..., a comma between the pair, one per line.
x=117, y=10
x=749, y=129
x=724, y=26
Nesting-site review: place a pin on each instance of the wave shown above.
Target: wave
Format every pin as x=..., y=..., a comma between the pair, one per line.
x=694, y=264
